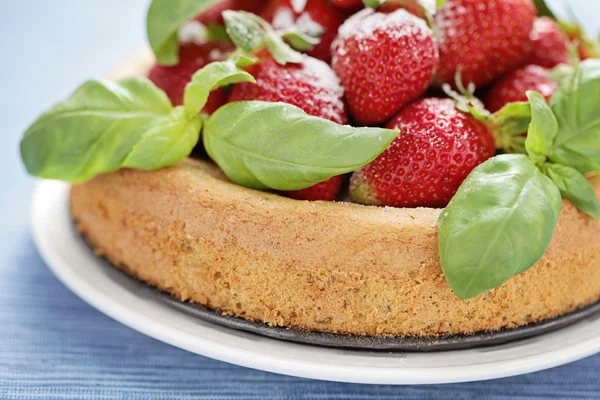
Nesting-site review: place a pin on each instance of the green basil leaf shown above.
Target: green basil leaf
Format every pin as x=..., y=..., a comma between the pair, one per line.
x=163, y=21
x=276, y=145
x=499, y=224
x=543, y=10
x=166, y=141
x=245, y=30
x=211, y=77
x=575, y=187
x=542, y=130
x=575, y=105
x=282, y=52
x=103, y=126
x=250, y=33
x=374, y=3
x=440, y=3
x=300, y=40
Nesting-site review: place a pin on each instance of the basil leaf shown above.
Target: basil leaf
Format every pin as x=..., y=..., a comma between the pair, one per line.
x=374, y=3
x=104, y=126
x=510, y=122
x=499, y=224
x=250, y=33
x=276, y=145
x=575, y=105
x=543, y=10
x=209, y=78
x=575, y=187
x=300, y=40
x=282, y=52
x=542, y=130
x=166, y=141
x=163, y=21
x=245, y=30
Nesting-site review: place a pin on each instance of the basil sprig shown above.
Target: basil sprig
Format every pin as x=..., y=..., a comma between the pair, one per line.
x=250, y=33
x=575, y=105
x=278, y=146
x=108, y=125
x=163, y=21
x=501, y=220
x=105, y=126
x=498, y=224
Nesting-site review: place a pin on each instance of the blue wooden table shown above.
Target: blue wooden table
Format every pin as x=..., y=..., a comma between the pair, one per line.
x=52, y=344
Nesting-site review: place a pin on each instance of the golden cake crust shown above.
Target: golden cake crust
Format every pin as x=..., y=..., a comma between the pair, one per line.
x=322, y=266
x=333, y=267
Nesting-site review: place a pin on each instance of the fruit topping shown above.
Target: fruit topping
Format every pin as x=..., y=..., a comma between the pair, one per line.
x=383, y=61
x=483, y=39
x=513, y=87
x=550, y=44
x=436, y=149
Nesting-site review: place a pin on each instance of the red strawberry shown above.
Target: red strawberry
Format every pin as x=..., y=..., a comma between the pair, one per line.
x=550, y=44
x=213, y=16
x=282, y=15
x=512, y=87
x=192, y=57
x=351, y=5
x=438, y=146
x=384, y=61
x=311, y=85
x=326, y=191
x=483, y=39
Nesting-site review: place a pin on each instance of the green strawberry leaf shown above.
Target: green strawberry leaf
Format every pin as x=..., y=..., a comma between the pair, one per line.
x=251, y=33
x=278, y=146
x=499, y=224
x=575, y=187
x=575, y=106
x=163, y=21
x=542, y=130
x=211, y=77
x=105, y=126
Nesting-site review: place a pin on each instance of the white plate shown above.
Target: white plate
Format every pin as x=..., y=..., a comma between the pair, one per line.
x=89, y=277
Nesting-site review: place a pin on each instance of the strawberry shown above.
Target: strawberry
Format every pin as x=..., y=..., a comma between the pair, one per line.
x=351, y=5
x=325, y=191
x=550, y=44
x=438, y=146
x=512, y=87
x=483, y=39
x=192, y=57
x=316, y=14
x=213, y=16
x=384, y=61
x=310, y=85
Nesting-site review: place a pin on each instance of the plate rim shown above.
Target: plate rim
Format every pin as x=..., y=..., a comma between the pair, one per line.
x=400, y=375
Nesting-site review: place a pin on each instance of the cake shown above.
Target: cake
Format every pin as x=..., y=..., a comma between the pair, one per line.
x=199, y=183
x=321, y=266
